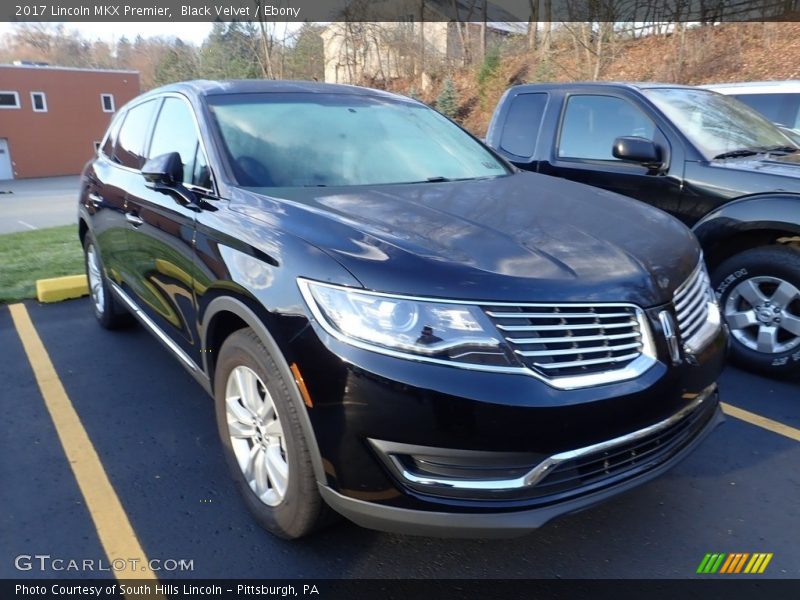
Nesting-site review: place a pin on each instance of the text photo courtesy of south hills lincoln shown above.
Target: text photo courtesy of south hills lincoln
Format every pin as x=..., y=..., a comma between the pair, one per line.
x=453, y=298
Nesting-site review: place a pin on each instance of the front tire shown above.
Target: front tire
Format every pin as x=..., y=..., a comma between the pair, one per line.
x=759, y=296
x=263, y=441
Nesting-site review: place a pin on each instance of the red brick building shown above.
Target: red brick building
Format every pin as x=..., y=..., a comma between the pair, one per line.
x=52, y=117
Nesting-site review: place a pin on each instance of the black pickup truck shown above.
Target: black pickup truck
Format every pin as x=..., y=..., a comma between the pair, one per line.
x=705, y=158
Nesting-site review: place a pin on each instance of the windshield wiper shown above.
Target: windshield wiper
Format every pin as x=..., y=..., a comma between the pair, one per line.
x=753, y=151
x=439, y=178
x=787, y=149
x=737, y=153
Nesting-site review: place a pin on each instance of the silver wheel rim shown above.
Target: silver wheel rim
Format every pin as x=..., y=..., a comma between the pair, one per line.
x=95, y=279
x=256, y=435
x=763, y=314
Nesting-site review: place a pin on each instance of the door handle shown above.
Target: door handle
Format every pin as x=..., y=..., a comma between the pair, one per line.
x=95, y=199
x=133, y=219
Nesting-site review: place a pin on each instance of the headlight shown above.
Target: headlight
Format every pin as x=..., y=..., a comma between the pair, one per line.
x=417, y=328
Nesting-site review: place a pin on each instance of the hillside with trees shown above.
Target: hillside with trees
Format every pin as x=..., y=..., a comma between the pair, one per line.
x=467, y=88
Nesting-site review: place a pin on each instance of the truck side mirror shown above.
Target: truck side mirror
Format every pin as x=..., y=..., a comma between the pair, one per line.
x=637, y=149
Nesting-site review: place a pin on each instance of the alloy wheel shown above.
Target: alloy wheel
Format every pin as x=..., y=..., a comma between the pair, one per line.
x=256, y=435
x=95, y=279
x=763, y=314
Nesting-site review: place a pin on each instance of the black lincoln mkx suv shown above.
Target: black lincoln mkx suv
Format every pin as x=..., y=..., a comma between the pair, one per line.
x=394, y=323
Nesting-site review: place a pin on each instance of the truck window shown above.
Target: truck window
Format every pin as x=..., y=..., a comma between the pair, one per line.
x=778, y=108
x=522, y=124
x=592, y=123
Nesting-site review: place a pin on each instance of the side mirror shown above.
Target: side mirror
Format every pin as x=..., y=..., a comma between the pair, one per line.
x=164, y=170
x=164, y=173
x=637, y=149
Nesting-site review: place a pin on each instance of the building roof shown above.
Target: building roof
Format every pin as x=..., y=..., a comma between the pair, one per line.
x=40, y=67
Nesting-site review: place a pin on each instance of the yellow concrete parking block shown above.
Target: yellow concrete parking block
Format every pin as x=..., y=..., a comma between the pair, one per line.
x=61, y=288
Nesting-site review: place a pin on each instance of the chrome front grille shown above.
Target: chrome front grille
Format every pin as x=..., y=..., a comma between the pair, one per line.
x=691, y=301
x=571, y=340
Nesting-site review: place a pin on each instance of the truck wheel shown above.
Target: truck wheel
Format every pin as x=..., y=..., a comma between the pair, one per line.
x=263, y=441
x=759, y=296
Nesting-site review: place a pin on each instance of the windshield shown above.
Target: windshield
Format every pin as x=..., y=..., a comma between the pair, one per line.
x=297, y=139
x=717, y=124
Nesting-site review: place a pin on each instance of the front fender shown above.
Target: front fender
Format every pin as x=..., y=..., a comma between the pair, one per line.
x=762, y=212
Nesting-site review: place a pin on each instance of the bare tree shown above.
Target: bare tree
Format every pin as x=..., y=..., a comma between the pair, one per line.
x=533, y=24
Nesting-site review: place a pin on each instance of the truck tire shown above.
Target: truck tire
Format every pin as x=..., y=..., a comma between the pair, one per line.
x=759, y=297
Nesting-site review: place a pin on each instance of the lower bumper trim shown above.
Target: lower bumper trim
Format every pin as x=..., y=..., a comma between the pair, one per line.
x=497, y=524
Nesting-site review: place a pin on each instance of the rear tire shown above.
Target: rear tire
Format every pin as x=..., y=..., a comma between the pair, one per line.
x=108, y=311
x=263, y=440
x=759, y=297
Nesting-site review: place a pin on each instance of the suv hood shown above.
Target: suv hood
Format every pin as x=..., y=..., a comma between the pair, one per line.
x=524, y=237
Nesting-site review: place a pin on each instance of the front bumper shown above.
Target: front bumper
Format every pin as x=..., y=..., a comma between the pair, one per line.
x=365, y=406
x=500, y=524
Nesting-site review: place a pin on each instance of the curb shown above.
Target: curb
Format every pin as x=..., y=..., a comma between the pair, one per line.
x=61, y=288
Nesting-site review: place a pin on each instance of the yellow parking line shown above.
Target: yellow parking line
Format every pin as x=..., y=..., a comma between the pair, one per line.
x=113, y=527
x=763, y=422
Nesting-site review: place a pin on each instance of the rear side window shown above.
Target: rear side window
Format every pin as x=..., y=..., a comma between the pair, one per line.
x=129, y=149
x=592, y=123
x=778, y=108
x=522, y=124
x=111, y=137
x=175, y=131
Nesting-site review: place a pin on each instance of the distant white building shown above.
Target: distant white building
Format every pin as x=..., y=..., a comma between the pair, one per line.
x=373, y=50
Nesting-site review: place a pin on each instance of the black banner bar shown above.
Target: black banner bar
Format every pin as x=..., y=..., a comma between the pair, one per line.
x=397, y=10
x=718, y=588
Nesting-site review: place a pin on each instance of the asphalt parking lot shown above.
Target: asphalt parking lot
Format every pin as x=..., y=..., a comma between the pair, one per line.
x=153, y=431
x=37, y=203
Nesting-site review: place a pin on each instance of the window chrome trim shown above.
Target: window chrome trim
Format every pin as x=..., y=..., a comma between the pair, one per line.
x=540, y=471
x=631, y=371
x=197, y=188
x=214, y=191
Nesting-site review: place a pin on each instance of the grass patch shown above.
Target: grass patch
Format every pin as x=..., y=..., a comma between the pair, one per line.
x=31, y=255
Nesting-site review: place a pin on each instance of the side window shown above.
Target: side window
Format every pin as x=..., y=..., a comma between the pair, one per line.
x=201, y=176
x=175, y=131
x=778, y=108
x=592, y=123
x=111, y=136
x=522, y=124
x=129, y=149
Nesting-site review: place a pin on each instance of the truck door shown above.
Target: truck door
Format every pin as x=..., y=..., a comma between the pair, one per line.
x=590, y=122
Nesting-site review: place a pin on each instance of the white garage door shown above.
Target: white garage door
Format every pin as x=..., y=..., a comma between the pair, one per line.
x=6, y=172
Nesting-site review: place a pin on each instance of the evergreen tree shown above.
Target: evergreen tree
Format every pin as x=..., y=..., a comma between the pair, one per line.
x=447, y=102
x=229, y=52
x=306, y=58
x=177, y=63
